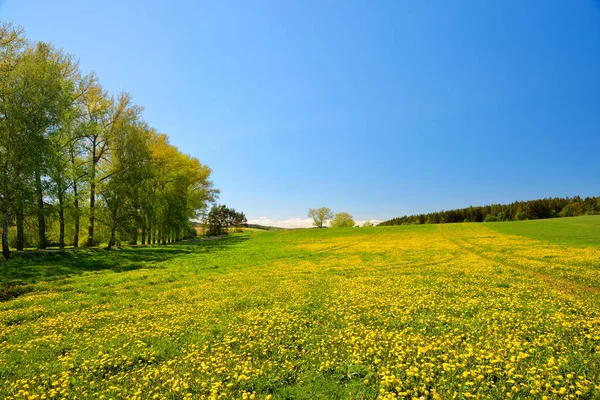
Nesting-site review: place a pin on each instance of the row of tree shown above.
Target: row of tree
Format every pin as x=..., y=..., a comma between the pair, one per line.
x=79, y=165
x=516, y=211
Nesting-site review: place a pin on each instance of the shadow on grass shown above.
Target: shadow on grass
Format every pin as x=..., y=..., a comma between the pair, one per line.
x=28, y=268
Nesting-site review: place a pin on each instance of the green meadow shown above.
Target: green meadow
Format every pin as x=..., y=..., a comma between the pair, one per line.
x=490, y=311
x=577, y=231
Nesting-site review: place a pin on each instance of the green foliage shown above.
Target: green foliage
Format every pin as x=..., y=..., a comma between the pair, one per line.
x=489, y=218
x=96, y=163
x=520, y=216
x=567, y=211
x=221, y=218
x=342, y=220
x=320, y=216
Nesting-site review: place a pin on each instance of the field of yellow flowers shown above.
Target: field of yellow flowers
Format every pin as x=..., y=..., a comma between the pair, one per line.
x=409, y=312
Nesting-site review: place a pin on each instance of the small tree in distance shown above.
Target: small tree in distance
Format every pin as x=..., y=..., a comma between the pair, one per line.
x=320, y=215
x=220, y=219
x=342, y=220
x=367, y=224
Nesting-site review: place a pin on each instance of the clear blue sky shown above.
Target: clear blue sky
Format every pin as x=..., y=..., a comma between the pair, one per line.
x=375, y=108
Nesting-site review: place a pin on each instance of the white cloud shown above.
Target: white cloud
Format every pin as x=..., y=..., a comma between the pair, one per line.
x=283, y=223
x=295, y=222
x=373, y=221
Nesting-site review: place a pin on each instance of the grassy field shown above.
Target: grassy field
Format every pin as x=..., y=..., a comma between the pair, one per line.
x=578, y=231
x=433, y=312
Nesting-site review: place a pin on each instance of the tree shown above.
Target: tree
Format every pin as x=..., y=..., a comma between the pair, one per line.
x=101, y=116
x=236, y=219
x=320, y=215
x=128, y=167
x=567, y=211
x=367, y=224
x=63, y=162
x=217, y=220
x=67, y=145
x=11, y=44
x=489, y=218
x=220, y=218
x=32, y=104
x=520, y=216
x=179, y=188
x=342, y=220
x=43, y=90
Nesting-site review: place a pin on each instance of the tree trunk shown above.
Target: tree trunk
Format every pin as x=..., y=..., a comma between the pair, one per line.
x=5, y=250
x=111, y=242
x=143, y=236
x=76, y=205
x=20, y=230
x=42, y=242
x=61, y=218
x=92, y=209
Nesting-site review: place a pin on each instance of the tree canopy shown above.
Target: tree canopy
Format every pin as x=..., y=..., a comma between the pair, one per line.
x=342, y=220
x=320, y=216
x=220, y=219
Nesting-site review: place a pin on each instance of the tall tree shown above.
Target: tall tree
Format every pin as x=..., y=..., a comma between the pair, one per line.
x=342, y=220
x=41, y=97
x=12, y=42
x=128, y=167
x=65, y=141
x=320, y=216
x=62, y=137
x=104, y=114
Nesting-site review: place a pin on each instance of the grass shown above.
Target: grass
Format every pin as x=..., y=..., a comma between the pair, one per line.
x=578, y=231
x=428, y=311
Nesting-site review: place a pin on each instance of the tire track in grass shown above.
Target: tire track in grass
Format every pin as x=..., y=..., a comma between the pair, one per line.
x=548, y=279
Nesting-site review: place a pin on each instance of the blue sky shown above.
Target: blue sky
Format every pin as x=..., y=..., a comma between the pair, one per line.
x=375, y=108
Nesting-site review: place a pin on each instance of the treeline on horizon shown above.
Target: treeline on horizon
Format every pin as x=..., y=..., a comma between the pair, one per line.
x=79, y=166
x=516, y=211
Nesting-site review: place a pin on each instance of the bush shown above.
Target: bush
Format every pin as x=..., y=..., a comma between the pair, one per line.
x=489, y=218
x=191, y=232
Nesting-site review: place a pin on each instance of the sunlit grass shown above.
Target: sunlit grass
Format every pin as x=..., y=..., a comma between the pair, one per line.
x=397, y=312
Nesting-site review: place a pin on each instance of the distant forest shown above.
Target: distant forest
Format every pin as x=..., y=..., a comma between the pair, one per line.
x=517, y=211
